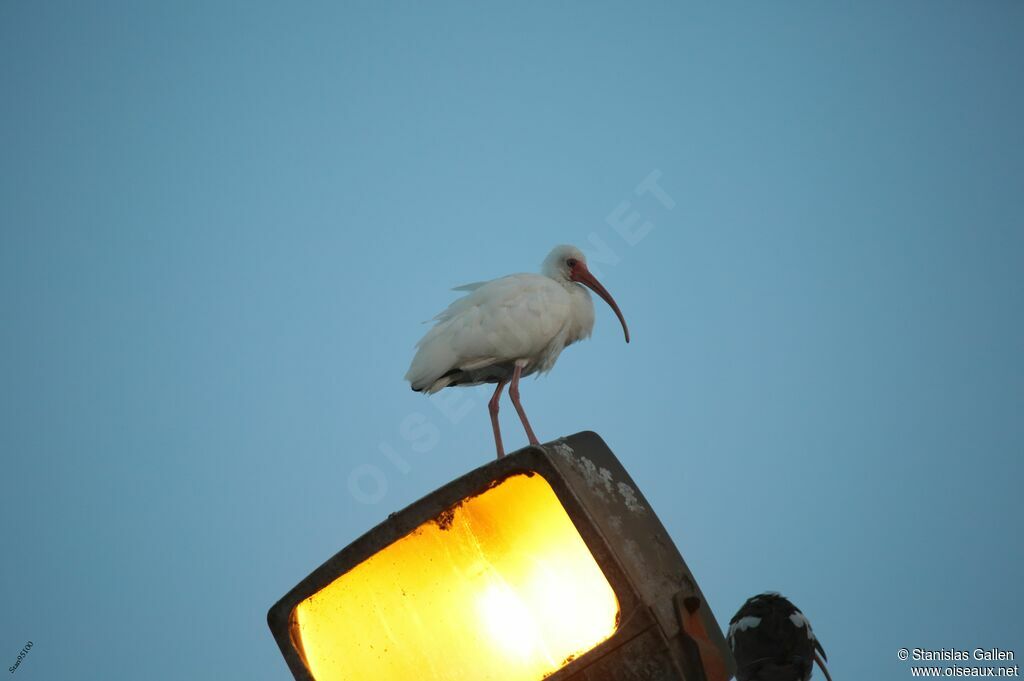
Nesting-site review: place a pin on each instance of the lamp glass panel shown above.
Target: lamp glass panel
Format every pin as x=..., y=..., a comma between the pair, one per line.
x=500, y=588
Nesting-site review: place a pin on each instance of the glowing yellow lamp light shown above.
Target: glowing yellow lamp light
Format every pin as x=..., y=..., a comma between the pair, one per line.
x=500, y=588
x=546, y=564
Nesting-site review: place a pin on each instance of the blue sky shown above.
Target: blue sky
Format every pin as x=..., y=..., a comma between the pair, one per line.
x=221, y=225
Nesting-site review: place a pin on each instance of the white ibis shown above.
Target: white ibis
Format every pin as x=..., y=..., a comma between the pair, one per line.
x=507, y=328
x=773, y=641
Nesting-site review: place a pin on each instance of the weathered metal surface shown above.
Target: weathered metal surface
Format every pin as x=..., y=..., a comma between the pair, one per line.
x=619, y=527
x=630, y=527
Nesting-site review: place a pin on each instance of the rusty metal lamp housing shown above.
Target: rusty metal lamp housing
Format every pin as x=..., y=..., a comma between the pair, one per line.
x=546, y=564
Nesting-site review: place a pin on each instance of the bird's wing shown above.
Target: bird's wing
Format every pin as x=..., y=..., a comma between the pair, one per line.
x=498, y=321
x=470, y=287
x=769, y=628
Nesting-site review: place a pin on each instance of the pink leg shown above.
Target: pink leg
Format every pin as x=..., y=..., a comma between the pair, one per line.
x=513, y=392
x=492, y=407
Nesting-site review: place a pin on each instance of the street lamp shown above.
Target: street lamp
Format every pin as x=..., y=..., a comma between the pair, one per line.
x=545, y=564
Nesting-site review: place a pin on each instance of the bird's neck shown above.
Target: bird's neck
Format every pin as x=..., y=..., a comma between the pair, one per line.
x=582, y=306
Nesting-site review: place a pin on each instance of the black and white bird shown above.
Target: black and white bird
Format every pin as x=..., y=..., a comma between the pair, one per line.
x=771, y=640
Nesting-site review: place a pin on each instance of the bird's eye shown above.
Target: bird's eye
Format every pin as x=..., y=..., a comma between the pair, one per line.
x=571, y=262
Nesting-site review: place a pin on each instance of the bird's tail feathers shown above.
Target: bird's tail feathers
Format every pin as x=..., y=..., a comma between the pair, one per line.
x=424, y=374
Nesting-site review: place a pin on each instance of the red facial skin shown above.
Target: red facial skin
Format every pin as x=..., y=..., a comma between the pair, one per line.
x=579, y=273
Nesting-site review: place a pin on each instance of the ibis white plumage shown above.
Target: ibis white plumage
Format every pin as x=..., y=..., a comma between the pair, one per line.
x=511, y=327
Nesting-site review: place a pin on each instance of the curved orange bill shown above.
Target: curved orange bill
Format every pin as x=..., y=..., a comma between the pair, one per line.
x=581, y=274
